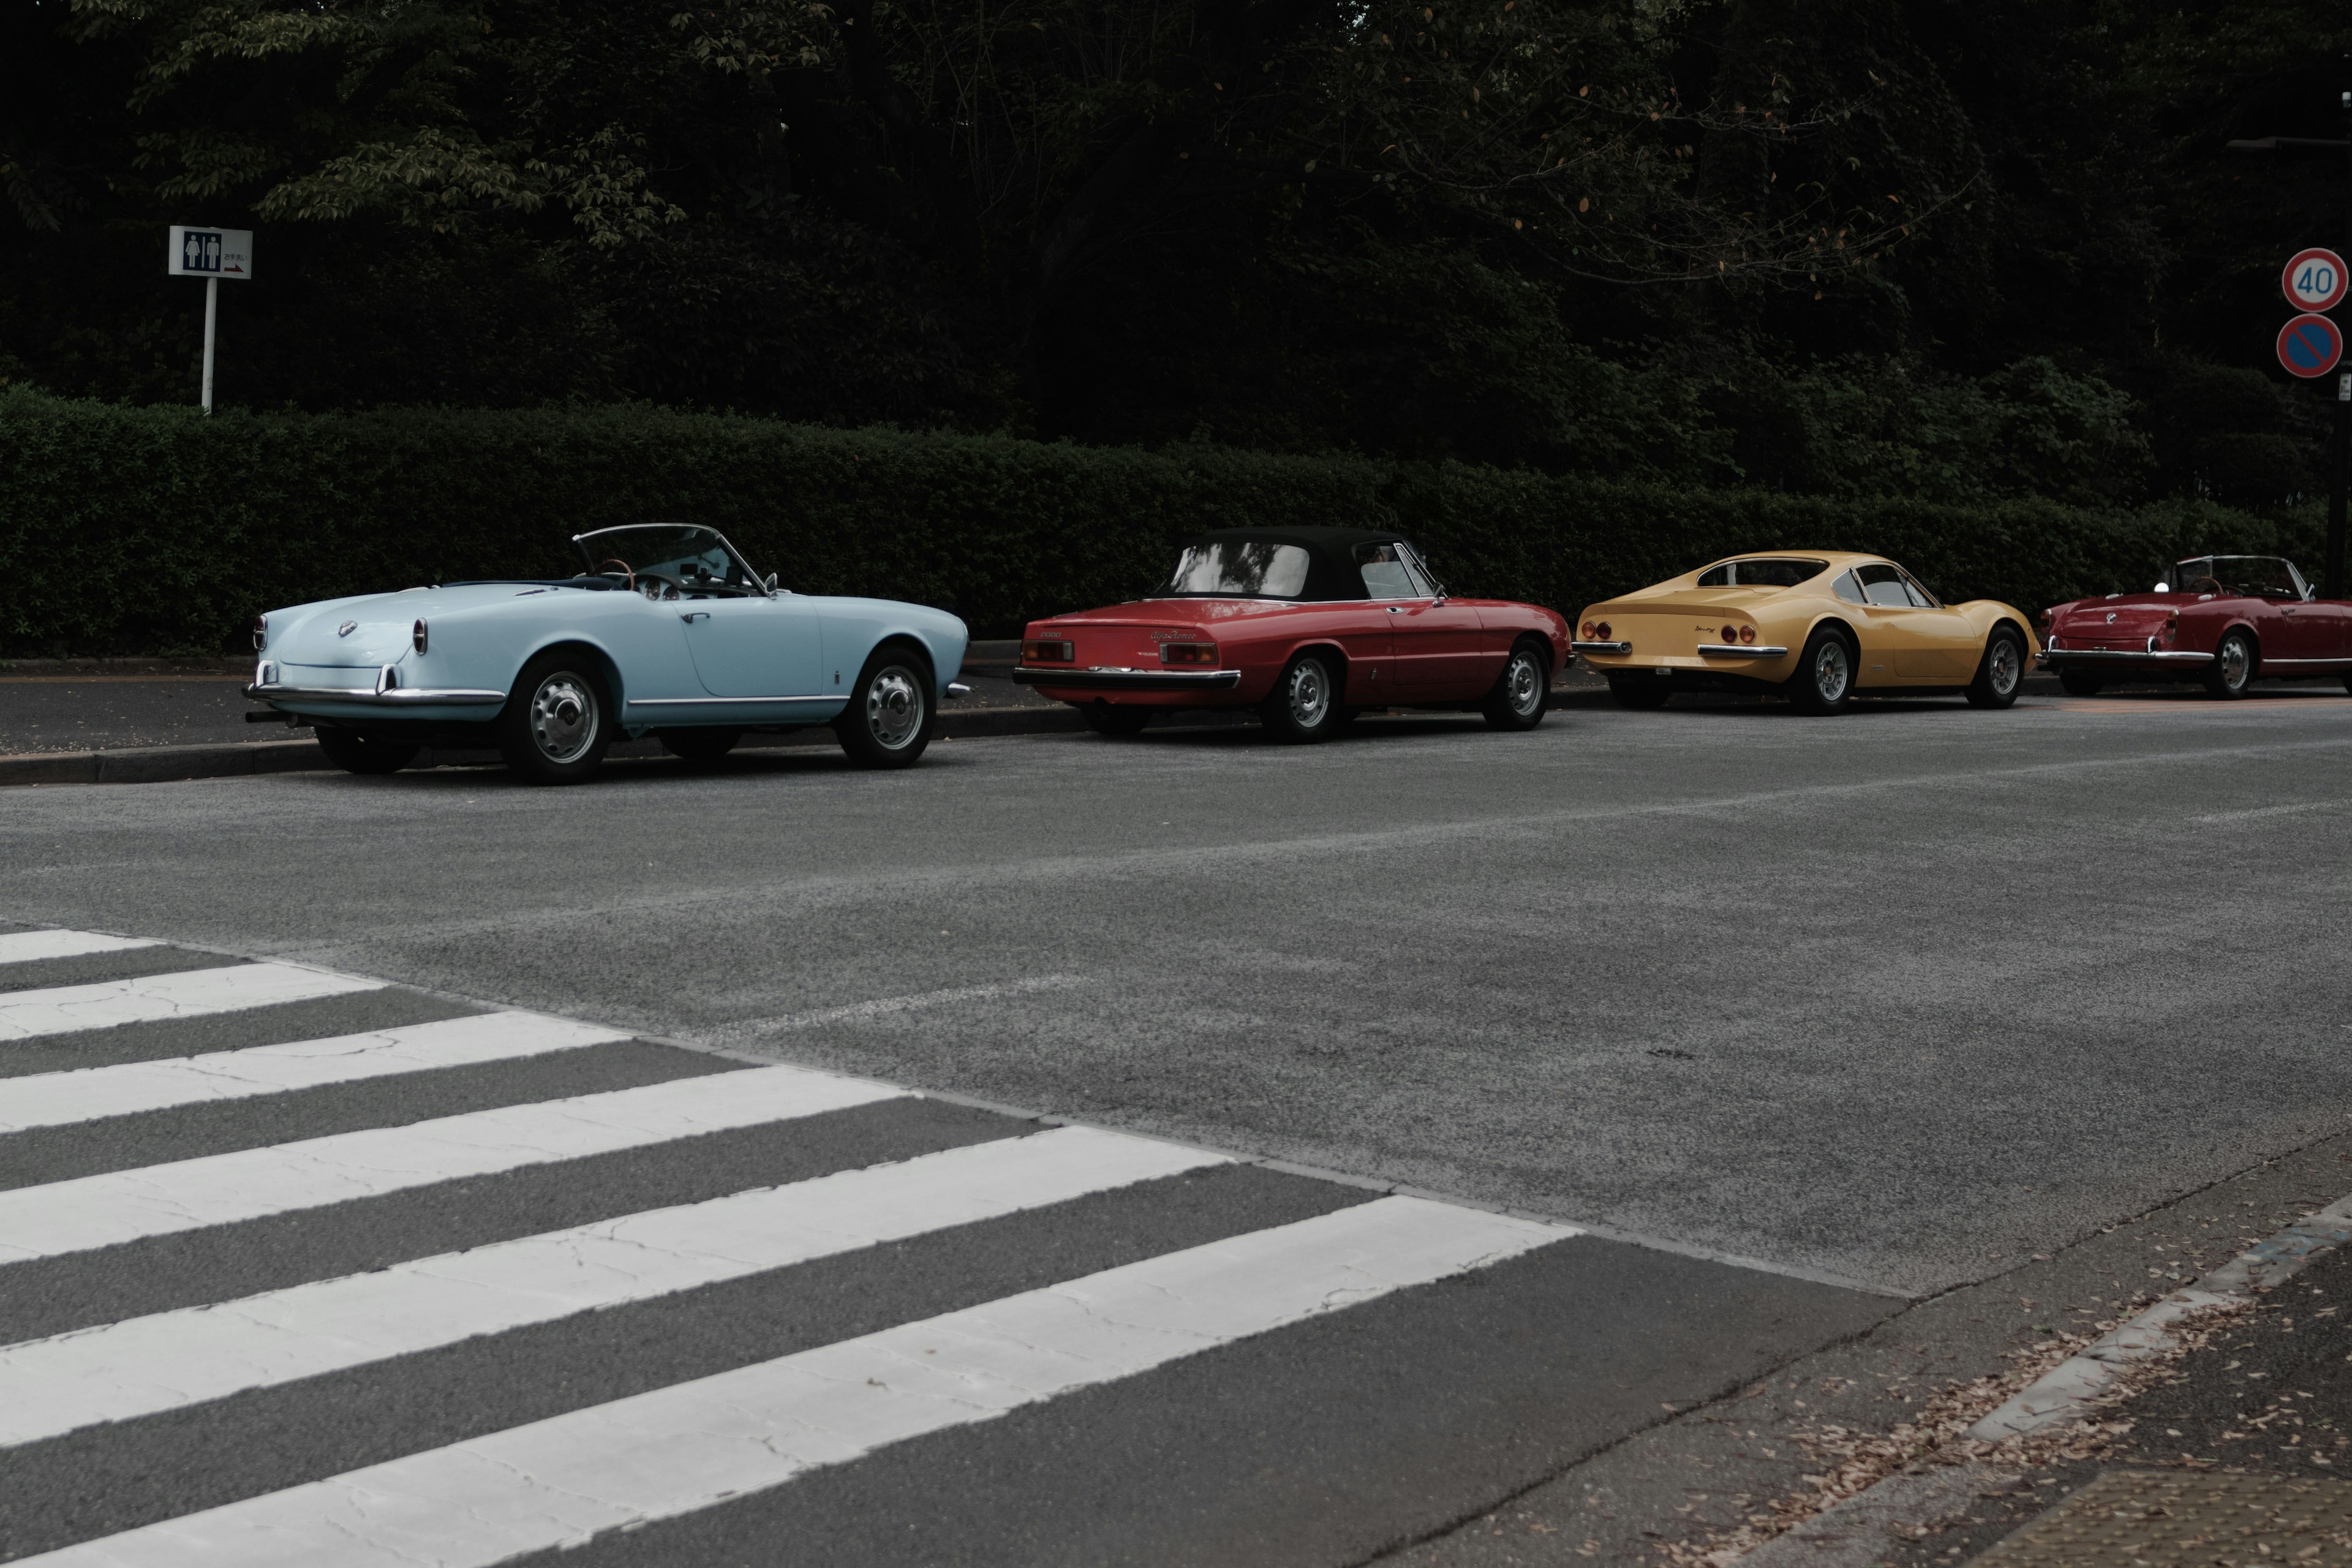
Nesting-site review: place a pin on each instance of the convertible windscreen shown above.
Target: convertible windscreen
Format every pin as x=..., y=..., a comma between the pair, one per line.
x=1236, y=569
x=1761, y=573
x=2261, y=576
x=676, y=553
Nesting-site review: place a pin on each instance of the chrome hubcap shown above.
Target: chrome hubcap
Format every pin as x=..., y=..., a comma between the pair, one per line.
x=894, y=707
x=1310, y=694
x=1830, y=671
x=563, y=717
x=2235, y=662
x=2005, y=666
x=1526, y=689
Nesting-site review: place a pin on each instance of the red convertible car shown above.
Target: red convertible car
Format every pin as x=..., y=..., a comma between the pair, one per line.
x=2219, y=619
x=1309, y=625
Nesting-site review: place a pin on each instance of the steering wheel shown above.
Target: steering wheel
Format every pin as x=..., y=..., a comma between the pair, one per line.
x=629, y=578
x=2206, y=585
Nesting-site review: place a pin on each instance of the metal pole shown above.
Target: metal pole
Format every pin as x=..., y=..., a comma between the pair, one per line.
x=2337, y=492
x=213, y=314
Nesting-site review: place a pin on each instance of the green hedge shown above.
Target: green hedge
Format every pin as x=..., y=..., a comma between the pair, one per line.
x=158, y=530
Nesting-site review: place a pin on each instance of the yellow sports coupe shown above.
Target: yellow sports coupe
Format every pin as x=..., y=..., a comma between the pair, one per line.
x=1817, y=626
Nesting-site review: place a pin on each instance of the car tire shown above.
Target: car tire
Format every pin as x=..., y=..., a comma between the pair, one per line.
x=1823, y=683
x=701, y=745
x=2080, y=683
x=1304, y=706
x=1999, y=672
x=1639, y=691
x=1522, y=693
x=2233, y=666
x=355, y=753
x=891, y=716
x=1105, y=719
x=558, y=721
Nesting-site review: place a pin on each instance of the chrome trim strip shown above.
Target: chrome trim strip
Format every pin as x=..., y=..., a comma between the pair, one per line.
x=1112, y=678
x=1742, y=650
x=1601, y=647
x=396, y=697
x=722, y=701
x=2054, y=657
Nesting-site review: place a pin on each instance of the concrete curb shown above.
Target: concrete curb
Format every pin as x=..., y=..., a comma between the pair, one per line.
x=165, y=764
x=1853, y=1533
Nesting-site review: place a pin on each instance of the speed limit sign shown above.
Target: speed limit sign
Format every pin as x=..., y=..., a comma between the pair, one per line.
x=2313, y=280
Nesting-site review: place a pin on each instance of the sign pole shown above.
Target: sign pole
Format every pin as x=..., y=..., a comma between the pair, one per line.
x=2337, y=492
x=213, y=316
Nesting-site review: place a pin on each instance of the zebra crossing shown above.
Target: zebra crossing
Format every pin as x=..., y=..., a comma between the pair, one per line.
x=458, y=1285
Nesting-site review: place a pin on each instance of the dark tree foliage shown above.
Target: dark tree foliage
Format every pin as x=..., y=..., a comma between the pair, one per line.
x=1956, y=250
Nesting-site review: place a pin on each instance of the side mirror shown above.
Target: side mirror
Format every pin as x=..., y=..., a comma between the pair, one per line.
x=771, y=583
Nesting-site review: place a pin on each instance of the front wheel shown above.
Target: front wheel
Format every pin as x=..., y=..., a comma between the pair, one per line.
x=1999, y=672
x=2080, y=683
x=1823, y=683
x=357, y=753
x=1303, y=707
x=2233, y=667
x=1522, y=693
x=890, y=717
x=555, y=727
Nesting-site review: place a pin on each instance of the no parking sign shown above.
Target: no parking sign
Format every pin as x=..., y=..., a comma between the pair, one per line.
x=2313, y=280
x=2309, y=346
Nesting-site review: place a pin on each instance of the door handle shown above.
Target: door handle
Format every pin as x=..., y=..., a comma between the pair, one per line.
x=1396, y=609
x=690, y=616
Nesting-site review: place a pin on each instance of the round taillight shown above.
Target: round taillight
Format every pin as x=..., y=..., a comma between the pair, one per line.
x=1602, y=631
x=261, y=633
x=1748, y=634
x=1730, y=634
x=416, y=636
x=1591, y=631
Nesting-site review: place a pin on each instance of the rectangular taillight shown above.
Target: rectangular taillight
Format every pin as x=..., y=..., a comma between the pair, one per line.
x=1187, y=653
x=1047, y=650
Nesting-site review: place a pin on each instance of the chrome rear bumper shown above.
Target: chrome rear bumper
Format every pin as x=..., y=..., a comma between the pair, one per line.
x=1106, y=678
x=1601, y=646
x=1737, y=651
x=2059, y=657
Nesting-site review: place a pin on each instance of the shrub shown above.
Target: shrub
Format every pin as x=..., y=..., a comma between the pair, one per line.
x=154, y=529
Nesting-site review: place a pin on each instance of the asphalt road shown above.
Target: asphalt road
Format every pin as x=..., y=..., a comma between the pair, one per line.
x=1887, y=1003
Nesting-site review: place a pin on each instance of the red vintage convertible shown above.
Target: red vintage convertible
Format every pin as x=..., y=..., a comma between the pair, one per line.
x=1309, y=625
x=2219, y=619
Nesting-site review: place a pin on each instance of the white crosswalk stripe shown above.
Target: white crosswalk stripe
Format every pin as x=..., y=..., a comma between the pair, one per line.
x=172, y=1359
x=221, y=1189
x=24, y=946
x=64, y=1009
x=562, y=1481
x=658, y=1440
x=87, y=1094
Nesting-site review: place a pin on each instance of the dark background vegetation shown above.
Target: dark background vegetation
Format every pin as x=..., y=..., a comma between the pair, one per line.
x=1964, y=252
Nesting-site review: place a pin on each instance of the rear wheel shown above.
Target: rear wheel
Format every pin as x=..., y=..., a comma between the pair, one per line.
x=2000, y=671
x=890, y=717
x=1825, y=679
x=1639, y=691
x=701, y=745
x=357, y=753
x=1523, y=693
x=1105, y=719
x=2080, y=683
x=557, y=724
x=1304, y=706
x=2233, y=666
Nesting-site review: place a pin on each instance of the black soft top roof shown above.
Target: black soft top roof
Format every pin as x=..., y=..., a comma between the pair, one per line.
x=1331, y=570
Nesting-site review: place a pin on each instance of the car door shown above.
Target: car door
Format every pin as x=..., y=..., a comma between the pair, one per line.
x=1907, y=630
x=2297, y=628
x=1440, y=644
x=753, y=646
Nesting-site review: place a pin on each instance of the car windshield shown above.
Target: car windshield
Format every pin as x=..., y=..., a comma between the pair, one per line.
x=2257, y=576
x=674, y=554
x=1774, y=573
x=1236, y=569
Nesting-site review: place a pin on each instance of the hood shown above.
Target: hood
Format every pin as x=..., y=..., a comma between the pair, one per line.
x=381, y=624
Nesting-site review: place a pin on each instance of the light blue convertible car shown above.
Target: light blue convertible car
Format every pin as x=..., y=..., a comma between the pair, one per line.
x=668, y=632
